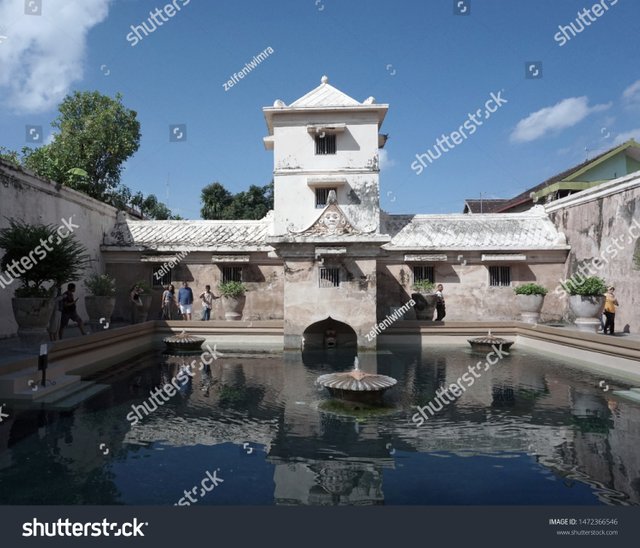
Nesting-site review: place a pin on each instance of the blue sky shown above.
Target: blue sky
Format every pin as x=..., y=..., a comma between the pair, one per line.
x=431, y=66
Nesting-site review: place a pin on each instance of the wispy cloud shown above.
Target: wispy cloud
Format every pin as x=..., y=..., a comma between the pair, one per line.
x=631, y=95
x=565, y=114
x=624, y=137
x=43, y=55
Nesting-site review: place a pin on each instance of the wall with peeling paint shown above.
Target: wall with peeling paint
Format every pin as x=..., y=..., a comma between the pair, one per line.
x=355, y=160
x=605, y=225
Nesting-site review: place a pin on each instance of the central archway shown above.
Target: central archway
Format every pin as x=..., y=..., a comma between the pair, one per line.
x=330, y=333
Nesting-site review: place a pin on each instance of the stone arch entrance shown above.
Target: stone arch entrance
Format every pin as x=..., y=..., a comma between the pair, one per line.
x=329, y=333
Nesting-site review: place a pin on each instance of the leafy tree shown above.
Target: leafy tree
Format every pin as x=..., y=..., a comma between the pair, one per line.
x=219, y=203
x=95, y=135
x=215, y=199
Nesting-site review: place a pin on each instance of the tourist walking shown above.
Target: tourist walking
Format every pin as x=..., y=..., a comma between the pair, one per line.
x=610, y=304
x=440, y=308
x=207, y=302
x=69, y=311
x=168, y=302
x=185, y=301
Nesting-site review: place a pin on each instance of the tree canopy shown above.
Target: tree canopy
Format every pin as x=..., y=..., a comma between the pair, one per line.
x=219, y=203
x=94, y=136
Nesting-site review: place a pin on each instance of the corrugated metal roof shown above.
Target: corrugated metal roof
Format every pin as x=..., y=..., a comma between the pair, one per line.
x=530, y=230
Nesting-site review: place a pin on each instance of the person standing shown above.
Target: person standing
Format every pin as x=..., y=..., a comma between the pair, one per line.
x=207, y=302
x=69, y=311
x=135, y=301
x=440, y=308
x=168, y=302
x=185, y=300
x=610, y=304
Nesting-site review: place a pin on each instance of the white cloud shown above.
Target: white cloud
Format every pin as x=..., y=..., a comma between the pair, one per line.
x=385, y=161
x=565, y=114
x=631, y=95
x=42, y=55
x=624, y=137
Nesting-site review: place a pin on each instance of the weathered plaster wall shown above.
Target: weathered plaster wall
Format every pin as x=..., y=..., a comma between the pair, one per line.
x=305, y=303
x=605, y=225
x=32, y=200
x=468, y=295
x=264, y=281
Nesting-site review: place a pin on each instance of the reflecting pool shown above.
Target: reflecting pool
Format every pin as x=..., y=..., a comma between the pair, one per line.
x=531, y=430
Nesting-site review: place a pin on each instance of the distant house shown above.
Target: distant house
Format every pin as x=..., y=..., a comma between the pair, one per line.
x=484, y=206
x=617, y=162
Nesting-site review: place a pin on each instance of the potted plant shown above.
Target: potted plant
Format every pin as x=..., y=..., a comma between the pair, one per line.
x=101, y=299
x=586, y=300
x=146, y=296
x=42, y=261
x=530, y=298
x=233, y=299
x=425, y=299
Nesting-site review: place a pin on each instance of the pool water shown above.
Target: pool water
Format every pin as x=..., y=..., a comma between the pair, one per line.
x=531, y=430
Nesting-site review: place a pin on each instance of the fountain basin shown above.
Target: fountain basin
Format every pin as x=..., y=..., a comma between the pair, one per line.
x=356, y=385
x=184, y=343
x=489, y=343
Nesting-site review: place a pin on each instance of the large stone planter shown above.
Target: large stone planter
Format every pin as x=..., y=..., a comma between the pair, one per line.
x=425, y=306
x=530, y=307
x=141, y=313
x=99, y=308
x=32, y=316
x=233, y=307
x=587, y=311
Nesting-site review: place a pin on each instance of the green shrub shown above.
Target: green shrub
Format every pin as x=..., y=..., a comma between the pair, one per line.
x=424, y=286
x=530, y=289
x=593, y=286
x=100, y=285
x=232, y=289
x=57, y=261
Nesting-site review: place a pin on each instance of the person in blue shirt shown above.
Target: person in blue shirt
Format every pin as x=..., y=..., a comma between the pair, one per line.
x=185, y=301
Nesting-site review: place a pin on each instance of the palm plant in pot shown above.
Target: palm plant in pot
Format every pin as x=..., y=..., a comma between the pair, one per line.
x=586, y=300
x=42, y=261
x=530, y=298
x=101, y=299
x=425, y=299
x=233, y=299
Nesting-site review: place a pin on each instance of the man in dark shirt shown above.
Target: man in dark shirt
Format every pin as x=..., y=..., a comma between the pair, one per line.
x=185, y=301
x=69, y=311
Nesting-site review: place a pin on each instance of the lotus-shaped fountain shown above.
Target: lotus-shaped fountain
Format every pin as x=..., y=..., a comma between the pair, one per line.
x=184, y=342
x=356, y=385
x=489, y=343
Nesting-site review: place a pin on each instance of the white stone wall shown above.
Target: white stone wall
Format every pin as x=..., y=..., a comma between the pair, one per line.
x=295, y=162
x=32, y=200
